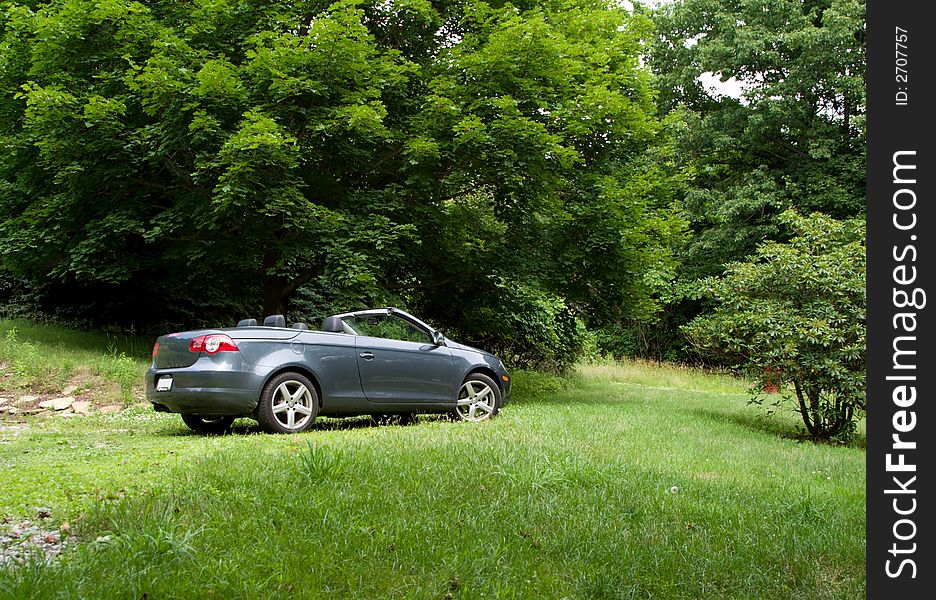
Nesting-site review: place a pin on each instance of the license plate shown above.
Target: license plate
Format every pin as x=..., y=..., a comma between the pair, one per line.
x=164, y=384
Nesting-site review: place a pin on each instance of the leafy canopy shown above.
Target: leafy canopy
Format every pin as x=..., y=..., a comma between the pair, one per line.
x=794, y=135
x=185, y=161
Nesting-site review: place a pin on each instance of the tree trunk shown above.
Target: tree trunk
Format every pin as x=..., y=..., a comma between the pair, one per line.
x=804, y=410
x=278, y=289
x=275, y=297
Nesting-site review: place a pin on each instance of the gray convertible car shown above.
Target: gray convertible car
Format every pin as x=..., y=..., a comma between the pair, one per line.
x=378, y=362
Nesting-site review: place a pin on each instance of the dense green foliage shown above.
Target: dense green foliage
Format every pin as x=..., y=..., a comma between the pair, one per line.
x=166, y=161
x=793, y=138
x=796, y=136
x=509, y=171
x=797, y=311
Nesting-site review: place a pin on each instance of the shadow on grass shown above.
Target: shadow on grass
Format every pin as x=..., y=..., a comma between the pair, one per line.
x=764, y=424
x=245, y=426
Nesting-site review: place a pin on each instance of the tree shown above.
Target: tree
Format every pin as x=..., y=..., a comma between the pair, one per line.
x=216, y=157
x=793, y=138
x=798, y=308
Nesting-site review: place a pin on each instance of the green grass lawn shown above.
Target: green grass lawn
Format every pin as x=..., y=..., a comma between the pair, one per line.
x=627, y=481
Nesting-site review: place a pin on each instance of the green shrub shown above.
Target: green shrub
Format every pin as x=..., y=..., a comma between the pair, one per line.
x=526, y=327
x=526, y=384
x=796, y=313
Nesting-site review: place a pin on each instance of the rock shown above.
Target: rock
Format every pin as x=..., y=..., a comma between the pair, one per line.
x=26, y=401
x=4, y=401
x=69, y=390
x=12, y=410
x=58, y=403
x=81, y=407
x=110, y=408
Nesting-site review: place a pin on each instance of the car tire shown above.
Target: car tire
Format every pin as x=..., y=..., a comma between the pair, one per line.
x=288, y=404
x=206, y=424
x=479, y=399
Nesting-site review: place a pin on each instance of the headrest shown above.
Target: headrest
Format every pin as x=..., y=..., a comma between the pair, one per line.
x=300, y=326
x=247, y=323
x=275, y=321
x=333, y=325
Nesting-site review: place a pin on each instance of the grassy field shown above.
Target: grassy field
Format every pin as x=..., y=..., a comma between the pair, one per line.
x=626, y=481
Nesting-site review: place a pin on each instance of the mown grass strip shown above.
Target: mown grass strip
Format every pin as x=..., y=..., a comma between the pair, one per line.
x=627, y=481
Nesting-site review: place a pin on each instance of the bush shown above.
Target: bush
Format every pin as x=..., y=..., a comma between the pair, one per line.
x=797, y=311
x=528, y=328
x=529, y=385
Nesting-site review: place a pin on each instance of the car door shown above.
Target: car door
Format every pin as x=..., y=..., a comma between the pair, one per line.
x=399, y=363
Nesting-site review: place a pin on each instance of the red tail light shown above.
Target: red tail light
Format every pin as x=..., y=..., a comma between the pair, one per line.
x=155, y=351
x=212, y=344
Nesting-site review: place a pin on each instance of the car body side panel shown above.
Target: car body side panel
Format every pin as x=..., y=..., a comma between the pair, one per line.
x=394, y=371
x=330, y=357
x=468, y=359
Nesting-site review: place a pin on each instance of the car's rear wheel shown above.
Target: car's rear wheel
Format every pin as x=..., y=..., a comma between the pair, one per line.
x=288, y=404
x=478, y=399
x=203, y=424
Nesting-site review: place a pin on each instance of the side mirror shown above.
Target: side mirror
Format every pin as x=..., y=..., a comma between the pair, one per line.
x=437, y=338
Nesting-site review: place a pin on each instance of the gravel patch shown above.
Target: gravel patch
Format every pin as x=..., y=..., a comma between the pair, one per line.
x=38, y=538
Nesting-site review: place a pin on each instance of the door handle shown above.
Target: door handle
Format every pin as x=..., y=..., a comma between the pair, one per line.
x=367, y=355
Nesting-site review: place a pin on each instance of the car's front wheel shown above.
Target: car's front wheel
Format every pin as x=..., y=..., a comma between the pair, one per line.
x=478, y=399
x=288, y=404
x=208, y=424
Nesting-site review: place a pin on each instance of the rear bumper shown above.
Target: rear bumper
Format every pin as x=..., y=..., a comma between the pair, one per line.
x=205, y=402
x=206, y=388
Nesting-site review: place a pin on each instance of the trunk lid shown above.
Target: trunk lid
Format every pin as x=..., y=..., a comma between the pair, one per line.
x=173, y=352
x=261, y=333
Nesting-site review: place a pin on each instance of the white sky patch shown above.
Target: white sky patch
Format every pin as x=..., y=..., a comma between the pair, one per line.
x=690, y=42
x=629, y=6
x=731, y=87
